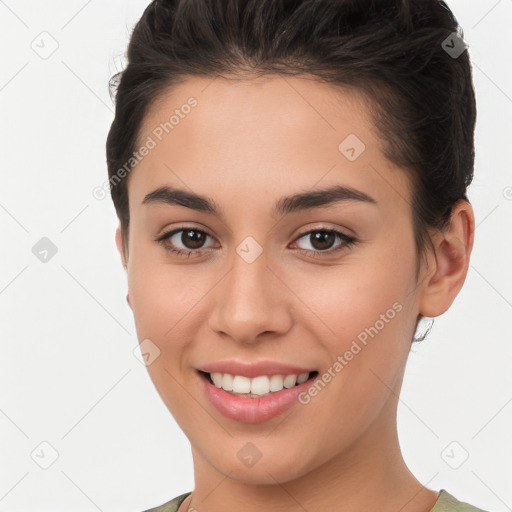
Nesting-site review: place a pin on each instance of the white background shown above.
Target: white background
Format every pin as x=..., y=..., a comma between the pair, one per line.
x=68, y=374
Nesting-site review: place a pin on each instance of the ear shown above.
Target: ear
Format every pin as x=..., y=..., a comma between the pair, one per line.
x=120, y=246
x=452, y=250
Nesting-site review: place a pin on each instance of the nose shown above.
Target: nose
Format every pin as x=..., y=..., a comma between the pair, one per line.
x=250, y=301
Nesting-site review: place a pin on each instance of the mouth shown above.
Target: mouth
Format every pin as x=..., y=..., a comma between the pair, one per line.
x=258, y=387
x=257, y=399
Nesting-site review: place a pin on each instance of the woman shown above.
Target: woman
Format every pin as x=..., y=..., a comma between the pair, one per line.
x=290, y=180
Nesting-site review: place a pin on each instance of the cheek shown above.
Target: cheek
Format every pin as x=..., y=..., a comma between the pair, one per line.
x=361, y=321
x=163, y=301
x=162, y=294
x=344, y=300
x=362, y=317
x=170, y=307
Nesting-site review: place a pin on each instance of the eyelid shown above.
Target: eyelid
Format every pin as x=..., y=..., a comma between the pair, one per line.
x=325, y=227
x=182, y=227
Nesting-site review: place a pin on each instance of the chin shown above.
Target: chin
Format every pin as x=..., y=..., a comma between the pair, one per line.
x=279, y=466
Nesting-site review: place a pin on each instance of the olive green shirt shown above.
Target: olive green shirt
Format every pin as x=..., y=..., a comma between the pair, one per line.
x=445, y=503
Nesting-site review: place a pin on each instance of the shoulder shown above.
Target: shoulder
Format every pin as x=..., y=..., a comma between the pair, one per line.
x=170, y=506
x=446, y=502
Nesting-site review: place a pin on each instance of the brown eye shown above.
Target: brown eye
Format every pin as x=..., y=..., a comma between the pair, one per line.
x=322, y=242
x=184, y=241
x=196, y=238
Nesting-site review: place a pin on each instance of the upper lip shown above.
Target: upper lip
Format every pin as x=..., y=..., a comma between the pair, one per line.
x=254, y=369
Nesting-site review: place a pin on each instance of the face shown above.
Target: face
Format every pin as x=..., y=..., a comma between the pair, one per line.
x=326, y=284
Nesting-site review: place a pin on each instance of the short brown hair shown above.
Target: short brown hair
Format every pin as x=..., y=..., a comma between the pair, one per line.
x=421, y=97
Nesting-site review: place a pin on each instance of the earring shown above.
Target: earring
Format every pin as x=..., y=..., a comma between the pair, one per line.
x=424, y=327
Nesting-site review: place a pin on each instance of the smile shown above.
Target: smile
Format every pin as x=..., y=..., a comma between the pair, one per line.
x=250, y=407
x=262, y=385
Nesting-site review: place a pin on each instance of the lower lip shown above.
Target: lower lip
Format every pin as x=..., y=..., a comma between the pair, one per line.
x=252, y=410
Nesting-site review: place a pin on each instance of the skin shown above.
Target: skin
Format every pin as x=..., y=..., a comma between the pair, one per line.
x=245, y=145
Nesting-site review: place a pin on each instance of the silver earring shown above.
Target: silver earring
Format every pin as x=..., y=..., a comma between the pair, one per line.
x=424, y=327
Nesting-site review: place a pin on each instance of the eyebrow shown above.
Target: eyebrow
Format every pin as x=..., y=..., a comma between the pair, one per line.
x=285, y=205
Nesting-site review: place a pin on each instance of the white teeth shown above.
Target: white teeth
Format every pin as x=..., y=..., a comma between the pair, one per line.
x=303, y=377
x=261, y=385
x=227, y=381
x=290, y=381
x=241, y=384
x=217, y=379
x=276, y=383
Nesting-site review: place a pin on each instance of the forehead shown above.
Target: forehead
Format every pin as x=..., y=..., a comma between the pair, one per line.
x=262, y=107
x=263, y=133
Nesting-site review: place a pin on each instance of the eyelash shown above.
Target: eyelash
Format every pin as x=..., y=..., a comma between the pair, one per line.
x=349, y=241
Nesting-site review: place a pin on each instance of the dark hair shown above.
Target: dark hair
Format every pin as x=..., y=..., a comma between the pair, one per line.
x=393, y=51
